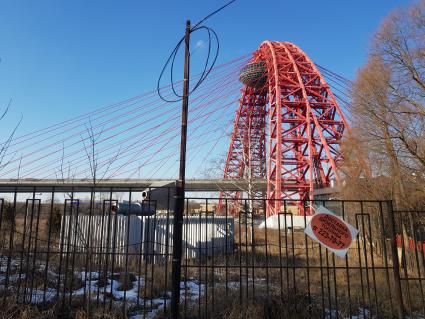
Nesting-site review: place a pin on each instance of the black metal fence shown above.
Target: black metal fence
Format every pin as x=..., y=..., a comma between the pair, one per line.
x=64, y=251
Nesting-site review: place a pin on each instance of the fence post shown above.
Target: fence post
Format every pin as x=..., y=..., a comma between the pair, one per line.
x=177, y=250
x=396, y=262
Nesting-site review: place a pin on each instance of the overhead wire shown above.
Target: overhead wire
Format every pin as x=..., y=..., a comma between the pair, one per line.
x=207, y=66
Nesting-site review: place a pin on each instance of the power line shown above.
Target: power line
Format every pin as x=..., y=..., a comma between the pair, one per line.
x=207, y=67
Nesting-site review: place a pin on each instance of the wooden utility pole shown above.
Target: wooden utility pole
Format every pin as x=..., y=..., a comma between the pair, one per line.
x=180, y=188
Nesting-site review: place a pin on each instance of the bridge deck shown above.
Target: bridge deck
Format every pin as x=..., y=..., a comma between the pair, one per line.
x=205, y=185
x=192, y=185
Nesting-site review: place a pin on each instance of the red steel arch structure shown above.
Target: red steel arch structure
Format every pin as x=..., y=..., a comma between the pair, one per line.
x=304, y=126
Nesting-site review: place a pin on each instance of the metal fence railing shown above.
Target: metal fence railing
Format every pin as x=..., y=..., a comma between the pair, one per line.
x=100, y=251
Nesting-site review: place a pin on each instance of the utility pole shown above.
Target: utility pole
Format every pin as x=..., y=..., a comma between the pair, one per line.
x=180, y=189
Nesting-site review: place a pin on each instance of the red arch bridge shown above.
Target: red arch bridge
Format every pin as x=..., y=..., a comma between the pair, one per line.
x=284, y=137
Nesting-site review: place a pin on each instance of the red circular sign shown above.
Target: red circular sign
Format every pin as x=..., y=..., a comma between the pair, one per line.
x=331, y=231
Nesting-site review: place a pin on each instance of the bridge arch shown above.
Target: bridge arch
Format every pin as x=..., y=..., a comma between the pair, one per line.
x=287, y=129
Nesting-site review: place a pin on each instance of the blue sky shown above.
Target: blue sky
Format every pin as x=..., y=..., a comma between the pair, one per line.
x=61, y=59
x=64, y=58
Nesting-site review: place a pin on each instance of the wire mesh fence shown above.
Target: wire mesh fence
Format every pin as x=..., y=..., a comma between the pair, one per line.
x=109, y=250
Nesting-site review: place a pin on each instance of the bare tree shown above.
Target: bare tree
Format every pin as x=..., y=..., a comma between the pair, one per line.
x=5, y=156
x=8, y=218
x=98, y=170
x=388, y=105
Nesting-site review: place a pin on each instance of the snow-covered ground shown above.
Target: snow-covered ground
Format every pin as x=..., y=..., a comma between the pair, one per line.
x=191, y=289
x=139, y=307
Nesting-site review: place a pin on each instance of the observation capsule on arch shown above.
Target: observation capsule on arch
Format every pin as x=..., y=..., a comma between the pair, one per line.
x=254, y=74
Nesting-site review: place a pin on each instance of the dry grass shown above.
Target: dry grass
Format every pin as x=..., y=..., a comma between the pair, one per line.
x=229, y=305
x=13, y=310
x=126, y=281
x=103, y=280
x=17, y=311
x=39, y=230
x=157, y=282
x=36, y=279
